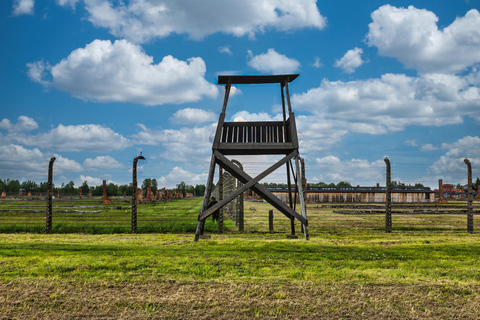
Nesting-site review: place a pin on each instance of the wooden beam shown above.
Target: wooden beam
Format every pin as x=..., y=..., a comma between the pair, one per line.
x=206, y=196
x=225, y=164
x=261, y=190
x=301, y=194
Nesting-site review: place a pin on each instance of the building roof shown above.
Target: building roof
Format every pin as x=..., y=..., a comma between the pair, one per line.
x=312, y=189
x=251, y=79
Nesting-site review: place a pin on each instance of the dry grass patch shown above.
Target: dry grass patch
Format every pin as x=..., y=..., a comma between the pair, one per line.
x=47, y=299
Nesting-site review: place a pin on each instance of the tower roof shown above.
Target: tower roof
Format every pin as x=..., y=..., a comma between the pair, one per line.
x=248, y=79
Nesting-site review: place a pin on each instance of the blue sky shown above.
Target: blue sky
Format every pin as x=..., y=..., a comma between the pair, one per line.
x=95, y=82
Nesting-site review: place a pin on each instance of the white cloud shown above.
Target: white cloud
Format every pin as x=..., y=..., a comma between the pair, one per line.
x=411, y=143
x=451, y=165
x=102, y=162
x=18, y=162
x=178, y=144
x=23, y=124
x=225, y=49
x=64, y=164
x=177, y=174
x=122, y=72
x=88, y=137
x=21, y=7
x=317, y=64
x=65, y=3
x=350, y=61
x=355, y=171
x=412, y=36
x=428, y=147
x=143, y=20
x=193, y=116
x=273, y=62
x=388, y=104
x=91, y=181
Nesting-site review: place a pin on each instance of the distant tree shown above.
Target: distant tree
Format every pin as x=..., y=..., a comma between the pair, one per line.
x=182, y=186
x=85, y=188
x=319, y=184
x=29, y=186
x=419, y=185
x=97, y=191
x=125, y=188
x=69, y=188
x=146, y=183
x=200, y=189
x=344, y=184
x=477, y=183
x=12, y=186
x=331, y=185
x=43, y=187
x=112, y=189
x=460, y=186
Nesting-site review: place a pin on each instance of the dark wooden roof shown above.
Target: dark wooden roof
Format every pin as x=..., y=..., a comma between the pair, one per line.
x=276, y=78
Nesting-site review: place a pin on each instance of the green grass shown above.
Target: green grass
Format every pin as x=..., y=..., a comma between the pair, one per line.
x=428, y=267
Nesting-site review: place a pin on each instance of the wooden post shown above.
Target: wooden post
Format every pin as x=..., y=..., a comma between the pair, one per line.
x=302, y=193
x=388, y=200
x=469, y=198
x=240, y=216
x=270, y=221
x=49, y=196
x=220, y=196
x=206, y=198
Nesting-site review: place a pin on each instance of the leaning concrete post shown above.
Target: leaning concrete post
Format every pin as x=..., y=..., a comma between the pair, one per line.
x=134, y=196
x=469, y=198
x=49, y=196
x=388, y=200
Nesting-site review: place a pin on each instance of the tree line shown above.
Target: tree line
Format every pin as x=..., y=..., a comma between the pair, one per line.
x=14, y=186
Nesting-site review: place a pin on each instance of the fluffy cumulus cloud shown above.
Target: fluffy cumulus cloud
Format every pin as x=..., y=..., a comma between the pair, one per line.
x=388, y=104
x=356, y=171
x=23, y=124
x=91, y=181
x=63, y=164
x=88, y=137
x=177, y=174
x=193, y=116
x=350, y=61
x=451, y=165
x=102, y=162
x=143, y=20
x=273, y=62
x=121, y=72
x=412, y=36
x=18, y=162
x=182, y=145
x=21, y=7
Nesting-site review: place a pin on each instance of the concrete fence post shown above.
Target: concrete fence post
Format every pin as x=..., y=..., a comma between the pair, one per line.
x=388, y=199
x=49, y=196
x=469, y=198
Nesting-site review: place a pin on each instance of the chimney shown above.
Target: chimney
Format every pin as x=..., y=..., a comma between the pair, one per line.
x=440, y=189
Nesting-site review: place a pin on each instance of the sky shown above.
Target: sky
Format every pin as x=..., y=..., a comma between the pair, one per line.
x=96, y=82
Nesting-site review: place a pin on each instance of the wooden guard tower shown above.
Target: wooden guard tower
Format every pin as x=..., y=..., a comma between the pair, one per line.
x=257, y=138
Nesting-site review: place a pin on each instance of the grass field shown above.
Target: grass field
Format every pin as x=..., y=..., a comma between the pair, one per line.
x=428, y=267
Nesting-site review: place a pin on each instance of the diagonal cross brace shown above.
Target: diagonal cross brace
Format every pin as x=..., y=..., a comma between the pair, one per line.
x=254, y=185
x=246, y=186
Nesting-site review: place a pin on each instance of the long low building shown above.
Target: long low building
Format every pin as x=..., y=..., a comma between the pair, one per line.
x=359, y=194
